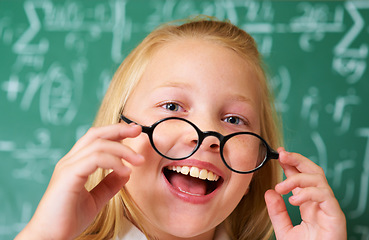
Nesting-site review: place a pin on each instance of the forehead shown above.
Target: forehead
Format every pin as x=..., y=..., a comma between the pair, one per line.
x=196, y=56
x=204, y=68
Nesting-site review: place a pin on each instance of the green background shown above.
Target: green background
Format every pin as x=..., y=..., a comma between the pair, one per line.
x=57, y=58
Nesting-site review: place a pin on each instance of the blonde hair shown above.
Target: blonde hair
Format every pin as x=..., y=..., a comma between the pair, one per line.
x=250, y=219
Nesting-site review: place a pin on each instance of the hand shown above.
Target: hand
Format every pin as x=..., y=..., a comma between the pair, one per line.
x=67, y=208
x=322, y=217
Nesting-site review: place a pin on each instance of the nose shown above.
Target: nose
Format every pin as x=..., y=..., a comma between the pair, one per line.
x=210, y=142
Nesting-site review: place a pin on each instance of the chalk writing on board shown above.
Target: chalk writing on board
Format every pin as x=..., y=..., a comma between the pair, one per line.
x=48, y=78
x=351, y=193
x=364, y=178
x=35, y=82
x=348, y=185
x=24, y=44
x=61, y=94
x=104, y=18
x=7, y=146
x=12, y=88
x=315, y=21
x=311, y=107
x=104, y=81
x=281, y=85
x=59, y=91
x=350, y=60
x=322, y=154
x=362, y=230
x=342, y=113
x=36, y=157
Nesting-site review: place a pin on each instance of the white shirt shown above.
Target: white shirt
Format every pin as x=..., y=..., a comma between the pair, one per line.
x=131, y=232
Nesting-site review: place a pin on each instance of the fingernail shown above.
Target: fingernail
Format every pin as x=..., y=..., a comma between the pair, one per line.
x=293, y=198
x=285, y=153
x=279, y=185
x=133, y=125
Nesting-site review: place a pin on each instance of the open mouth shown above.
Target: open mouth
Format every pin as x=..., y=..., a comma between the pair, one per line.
x=192, y=180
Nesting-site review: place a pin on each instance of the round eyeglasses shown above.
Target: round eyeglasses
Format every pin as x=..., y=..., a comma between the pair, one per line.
x=177, y=139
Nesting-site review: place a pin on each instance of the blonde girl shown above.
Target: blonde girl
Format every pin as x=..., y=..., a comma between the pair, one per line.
x=163, y=158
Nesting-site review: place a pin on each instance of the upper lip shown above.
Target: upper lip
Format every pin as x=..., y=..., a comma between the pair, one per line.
x=199, y=164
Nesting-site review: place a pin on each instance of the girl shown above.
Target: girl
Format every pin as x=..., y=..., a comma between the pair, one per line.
x=182, y=148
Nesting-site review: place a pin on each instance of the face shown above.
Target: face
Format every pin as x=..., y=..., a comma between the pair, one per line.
x=214, y=88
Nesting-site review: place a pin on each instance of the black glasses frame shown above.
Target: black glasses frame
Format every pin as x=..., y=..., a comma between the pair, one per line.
x=271, y=153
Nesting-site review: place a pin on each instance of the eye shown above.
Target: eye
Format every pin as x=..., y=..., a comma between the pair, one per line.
x=173, y=107
x=235, y=120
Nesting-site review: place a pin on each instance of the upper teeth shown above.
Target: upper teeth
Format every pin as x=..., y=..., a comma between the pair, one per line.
x=195, y=172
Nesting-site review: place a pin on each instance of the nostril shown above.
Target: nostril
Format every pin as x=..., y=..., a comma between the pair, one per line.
x=214, y=146
x=211, y=143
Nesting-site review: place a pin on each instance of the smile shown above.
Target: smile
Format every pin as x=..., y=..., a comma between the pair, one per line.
x=191, y=181
x=195, y=172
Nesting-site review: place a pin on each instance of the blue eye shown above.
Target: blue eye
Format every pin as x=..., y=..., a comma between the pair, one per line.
x=233, y=120
x=172, y=107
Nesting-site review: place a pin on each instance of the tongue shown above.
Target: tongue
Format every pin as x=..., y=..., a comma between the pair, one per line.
x=188, y=184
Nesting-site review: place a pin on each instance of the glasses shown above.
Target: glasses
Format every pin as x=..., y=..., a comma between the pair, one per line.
x=177, y=139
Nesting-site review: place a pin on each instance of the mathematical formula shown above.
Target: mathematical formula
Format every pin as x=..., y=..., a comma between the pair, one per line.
x=60, y=57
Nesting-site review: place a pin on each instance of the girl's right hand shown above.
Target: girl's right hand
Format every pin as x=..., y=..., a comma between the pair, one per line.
x=67, y=208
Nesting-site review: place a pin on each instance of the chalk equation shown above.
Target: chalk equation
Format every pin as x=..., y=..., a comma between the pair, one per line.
x=58, y=57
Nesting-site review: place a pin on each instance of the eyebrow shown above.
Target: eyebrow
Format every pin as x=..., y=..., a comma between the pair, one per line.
x=241, y=98
x=184, y=85
x=172, y=84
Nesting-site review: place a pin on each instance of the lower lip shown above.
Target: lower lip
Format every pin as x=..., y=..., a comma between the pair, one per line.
x=188, y=197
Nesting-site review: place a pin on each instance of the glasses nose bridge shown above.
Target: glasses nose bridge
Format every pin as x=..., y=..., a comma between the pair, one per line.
x=212, y=134
x=204, y=140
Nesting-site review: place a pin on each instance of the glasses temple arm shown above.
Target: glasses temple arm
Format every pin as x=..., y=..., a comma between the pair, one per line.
x=145, y=129
x=273, y=154
x=126, y=120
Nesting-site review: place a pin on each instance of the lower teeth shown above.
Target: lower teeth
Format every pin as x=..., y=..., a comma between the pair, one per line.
x=192, y=194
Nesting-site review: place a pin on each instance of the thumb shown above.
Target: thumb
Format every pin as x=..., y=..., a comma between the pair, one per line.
x=278, y=213
x=108, y=187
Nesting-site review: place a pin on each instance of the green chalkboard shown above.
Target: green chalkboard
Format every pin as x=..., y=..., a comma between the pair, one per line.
x=57, y=58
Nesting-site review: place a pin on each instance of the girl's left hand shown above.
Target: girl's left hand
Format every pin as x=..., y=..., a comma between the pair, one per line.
x=322, y=217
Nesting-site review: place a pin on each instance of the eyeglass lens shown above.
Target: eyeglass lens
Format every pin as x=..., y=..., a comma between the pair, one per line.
x=177, y=139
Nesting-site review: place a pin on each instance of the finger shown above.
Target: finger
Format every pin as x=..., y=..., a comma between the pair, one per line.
x=278, y=213
x=323, y=196
x=106, y=146
x=108, y=187
x=299, y=162
x=287, y=169
x=75, y=174
x=116, y=132
x=301, y=180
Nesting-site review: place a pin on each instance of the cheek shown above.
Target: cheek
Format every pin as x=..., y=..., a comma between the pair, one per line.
x=239, y=185
x=141, y=145
x=236, y=189
x=137, y=184
x=151, y=168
